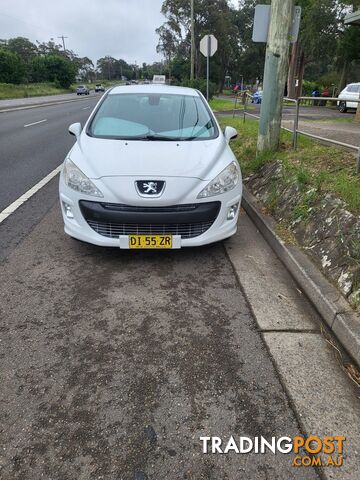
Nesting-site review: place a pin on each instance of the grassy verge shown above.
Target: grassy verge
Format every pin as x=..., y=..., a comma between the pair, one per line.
x=312, y=165
x=9, y=90
x=221, y=105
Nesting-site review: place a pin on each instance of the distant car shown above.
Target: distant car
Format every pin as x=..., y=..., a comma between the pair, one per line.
x=151, y=168
x=350, y=92
x=99, y=88
x=82, y=90
x=133, y=82
x=257, y=97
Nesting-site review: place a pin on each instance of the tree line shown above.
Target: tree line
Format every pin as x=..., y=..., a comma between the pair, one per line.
x=327, y=52
x=22, y=61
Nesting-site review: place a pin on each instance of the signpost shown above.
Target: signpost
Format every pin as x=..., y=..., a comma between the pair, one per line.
x=208, y=47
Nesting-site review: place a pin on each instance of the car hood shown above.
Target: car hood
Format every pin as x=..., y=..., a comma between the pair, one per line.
x=99, y=158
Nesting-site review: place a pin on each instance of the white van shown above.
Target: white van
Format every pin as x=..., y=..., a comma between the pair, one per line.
x=159, y=79
x=350, y=92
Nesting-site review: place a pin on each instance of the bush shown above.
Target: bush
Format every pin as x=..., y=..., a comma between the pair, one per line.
x=60, y=70
x=12, y=68
x=200, y=84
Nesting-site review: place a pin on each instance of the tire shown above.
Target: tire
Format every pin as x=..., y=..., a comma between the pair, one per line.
x=342, y=107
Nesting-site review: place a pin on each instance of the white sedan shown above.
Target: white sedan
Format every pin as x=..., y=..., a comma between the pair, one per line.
x=151, y=169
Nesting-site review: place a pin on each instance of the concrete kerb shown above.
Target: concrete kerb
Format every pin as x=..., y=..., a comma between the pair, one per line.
x=333, y=308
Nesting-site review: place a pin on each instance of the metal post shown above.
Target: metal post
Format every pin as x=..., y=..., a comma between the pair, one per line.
x=235, y=105
x=192, y=52
x=208, y=66
x=296, y=124
x=245, y=102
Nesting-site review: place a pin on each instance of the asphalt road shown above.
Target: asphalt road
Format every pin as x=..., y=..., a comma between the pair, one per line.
x=28, y=153
x=114, y=363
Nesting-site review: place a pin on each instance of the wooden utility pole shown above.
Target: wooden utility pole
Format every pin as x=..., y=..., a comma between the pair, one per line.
x=192, y=54
x=275, y=71
x=63, y=41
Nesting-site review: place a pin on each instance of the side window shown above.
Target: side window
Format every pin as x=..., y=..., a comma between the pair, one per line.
x=353, y=88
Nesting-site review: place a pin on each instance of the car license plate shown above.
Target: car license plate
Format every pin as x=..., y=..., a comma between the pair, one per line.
x=150, y=241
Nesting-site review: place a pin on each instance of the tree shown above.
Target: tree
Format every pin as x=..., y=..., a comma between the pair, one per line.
x=60, y=70
x=25, y=50
x=12, y=68
x=38, y=71
x=319, y=32
x=249, y=56
x=106, y=67
x=167, y=45
x=85, y=67
x=210, y=16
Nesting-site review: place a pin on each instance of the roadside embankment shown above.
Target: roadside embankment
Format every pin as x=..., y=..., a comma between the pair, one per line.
x=313, y=194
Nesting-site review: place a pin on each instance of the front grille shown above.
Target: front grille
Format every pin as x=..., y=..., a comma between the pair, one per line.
x=112, y=220
x=118, y=207
x=114, y=230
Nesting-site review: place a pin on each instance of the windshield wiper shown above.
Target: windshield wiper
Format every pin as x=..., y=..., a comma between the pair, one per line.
x=154, y=137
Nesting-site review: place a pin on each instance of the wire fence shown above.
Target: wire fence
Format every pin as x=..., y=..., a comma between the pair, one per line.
x=245, y=97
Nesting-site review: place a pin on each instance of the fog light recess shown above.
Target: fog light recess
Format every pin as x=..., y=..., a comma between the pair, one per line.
x=67, y=210
x=232, y=211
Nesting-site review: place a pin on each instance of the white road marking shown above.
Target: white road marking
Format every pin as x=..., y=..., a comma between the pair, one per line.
x=35, y=123
x=85, y=108
x=17, y=203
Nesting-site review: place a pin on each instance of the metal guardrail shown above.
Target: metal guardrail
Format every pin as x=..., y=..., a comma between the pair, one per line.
x=295, y=131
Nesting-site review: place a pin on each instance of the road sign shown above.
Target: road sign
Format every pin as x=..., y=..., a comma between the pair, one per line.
x=262, y=21
x=208, y=45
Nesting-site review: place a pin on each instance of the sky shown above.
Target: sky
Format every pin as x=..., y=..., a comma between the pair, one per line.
x=95, y=28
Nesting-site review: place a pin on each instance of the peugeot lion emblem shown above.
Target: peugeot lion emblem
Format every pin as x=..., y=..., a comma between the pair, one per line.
x=150, y=188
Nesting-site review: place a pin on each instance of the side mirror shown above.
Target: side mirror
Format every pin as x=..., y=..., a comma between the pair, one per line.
x=230, y=133
x=75, y=129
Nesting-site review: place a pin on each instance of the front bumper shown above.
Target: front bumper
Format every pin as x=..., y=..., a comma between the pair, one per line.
x=108, y=224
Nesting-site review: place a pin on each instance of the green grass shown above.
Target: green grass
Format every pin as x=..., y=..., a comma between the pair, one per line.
x=312, y=165
x=221, y=105
x=9, y=90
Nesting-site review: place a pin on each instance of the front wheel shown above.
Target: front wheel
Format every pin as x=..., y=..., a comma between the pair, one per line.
x=342, y=107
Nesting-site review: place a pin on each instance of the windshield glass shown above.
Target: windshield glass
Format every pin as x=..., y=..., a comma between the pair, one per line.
x=153, y=116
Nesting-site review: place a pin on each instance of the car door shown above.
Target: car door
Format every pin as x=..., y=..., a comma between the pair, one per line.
x=352, y=93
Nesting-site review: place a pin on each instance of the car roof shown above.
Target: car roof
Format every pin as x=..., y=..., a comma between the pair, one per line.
x=154, y=88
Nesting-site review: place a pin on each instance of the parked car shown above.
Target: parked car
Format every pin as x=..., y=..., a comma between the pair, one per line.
x=257, y=97
x=82, y=90
x=99, y=88
x=350, y=92
x=151, y=169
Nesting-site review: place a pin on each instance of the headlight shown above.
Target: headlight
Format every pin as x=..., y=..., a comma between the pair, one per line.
x=77, y=180
x=225, y=181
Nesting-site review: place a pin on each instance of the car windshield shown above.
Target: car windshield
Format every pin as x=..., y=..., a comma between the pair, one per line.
x=153, y=116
